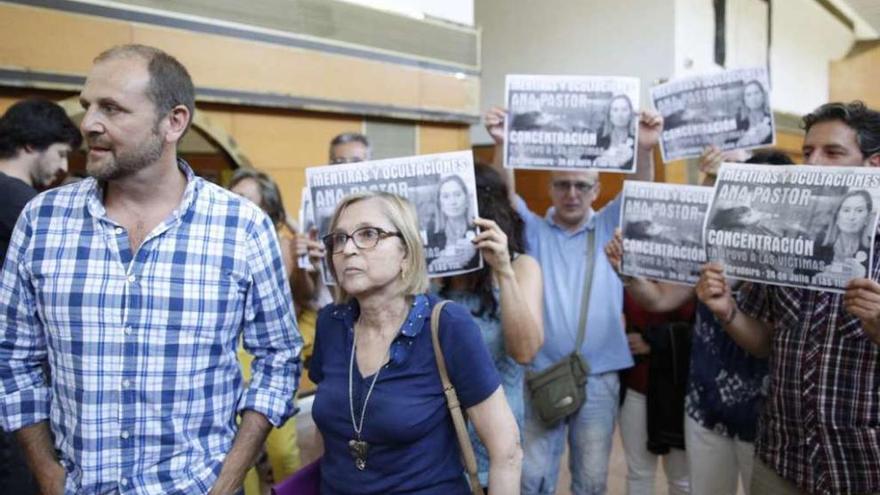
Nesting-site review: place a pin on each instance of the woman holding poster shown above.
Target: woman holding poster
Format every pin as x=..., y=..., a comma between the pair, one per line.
x=845, y=245
x=617, y=134
x=754, y=116
x=505, y=297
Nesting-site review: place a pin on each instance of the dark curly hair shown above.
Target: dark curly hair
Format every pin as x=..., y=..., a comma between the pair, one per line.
x=493, y=203
x=36, y=123
x=864, y=121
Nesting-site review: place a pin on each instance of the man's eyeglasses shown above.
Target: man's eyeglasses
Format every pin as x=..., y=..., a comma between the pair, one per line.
x=363, y=238
x=345, y=159
x=582, y=187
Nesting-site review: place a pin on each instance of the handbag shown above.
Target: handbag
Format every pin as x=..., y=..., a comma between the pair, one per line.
x=560, y=390
x=464, y=441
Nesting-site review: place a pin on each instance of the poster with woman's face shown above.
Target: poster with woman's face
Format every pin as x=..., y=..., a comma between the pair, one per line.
x=662, y=230
x=571, y=123
x=441, y=187
x=801, y=226
x=729, y=110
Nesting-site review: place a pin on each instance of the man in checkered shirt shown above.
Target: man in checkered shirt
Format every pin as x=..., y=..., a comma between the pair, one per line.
x=135, y=286
x=820, y=429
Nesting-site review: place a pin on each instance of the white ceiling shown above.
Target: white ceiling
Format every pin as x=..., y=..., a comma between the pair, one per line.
x=865, y=13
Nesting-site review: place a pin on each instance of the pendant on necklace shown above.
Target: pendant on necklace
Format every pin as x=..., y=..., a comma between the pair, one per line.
x=358, y=450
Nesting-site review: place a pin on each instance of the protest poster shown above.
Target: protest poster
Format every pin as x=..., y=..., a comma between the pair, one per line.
x=730, y=110
x=306, y=224
x=441, y=187
x=801, y=226
x=662, y=227
x=571, y=122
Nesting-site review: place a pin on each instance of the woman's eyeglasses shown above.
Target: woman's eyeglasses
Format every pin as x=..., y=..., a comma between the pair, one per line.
x=363, y=238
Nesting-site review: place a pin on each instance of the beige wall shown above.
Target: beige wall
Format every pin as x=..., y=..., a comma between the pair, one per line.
x=284, y=142
x=68, y=43
x=855, y=77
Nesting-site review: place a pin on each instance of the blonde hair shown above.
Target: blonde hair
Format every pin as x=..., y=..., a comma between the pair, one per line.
x=402, y=215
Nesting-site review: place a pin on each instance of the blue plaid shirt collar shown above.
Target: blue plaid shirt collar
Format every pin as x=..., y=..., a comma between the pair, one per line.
x=95, y=202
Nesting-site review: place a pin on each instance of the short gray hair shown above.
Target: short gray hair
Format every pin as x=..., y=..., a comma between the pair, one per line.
x=402, y=214
x=351, y=137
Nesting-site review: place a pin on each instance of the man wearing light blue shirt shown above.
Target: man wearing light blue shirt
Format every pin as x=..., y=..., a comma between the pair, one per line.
x=558, y=241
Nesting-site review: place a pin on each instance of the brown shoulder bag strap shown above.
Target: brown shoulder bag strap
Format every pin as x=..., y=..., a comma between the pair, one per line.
x=464, y=441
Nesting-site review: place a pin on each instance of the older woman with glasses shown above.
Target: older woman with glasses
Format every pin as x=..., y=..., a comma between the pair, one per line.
x=380, y=406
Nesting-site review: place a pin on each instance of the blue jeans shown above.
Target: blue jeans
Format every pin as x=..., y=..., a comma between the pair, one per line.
x=589, y=433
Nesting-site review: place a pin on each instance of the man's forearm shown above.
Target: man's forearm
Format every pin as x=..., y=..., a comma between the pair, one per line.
x=751, y=334
x=657, y=297
x=248, y=442
x=644, y=165
x=498, y=156
x=39, y=451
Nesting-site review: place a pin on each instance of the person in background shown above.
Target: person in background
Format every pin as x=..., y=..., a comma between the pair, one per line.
x=380, y=406
x=36, y=137
x=261, y=190
x=505, y=297
x=726, y=386
x=558, y=241
x=819, y=425
x=349, y=147
x=642, y=450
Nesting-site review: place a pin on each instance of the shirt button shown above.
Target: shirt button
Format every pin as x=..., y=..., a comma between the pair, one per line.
x=119, y=230
x=124, y=434
x=128, y=330
x=131, y=279
x=123, y=482
x=126, y=383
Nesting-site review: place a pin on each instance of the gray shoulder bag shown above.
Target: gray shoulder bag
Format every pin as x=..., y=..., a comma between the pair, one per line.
x=560, y=390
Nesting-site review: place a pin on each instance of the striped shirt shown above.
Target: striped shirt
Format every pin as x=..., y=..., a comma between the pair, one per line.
x=141, y=346
x=821, y=423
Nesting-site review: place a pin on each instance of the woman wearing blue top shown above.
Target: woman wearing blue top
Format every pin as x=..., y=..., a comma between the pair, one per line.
x=505, y=297
x=380, y=406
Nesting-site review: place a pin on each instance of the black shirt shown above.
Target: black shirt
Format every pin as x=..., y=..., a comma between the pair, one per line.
x=15, y=194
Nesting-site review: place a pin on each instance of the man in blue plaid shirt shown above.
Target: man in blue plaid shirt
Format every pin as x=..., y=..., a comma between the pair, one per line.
x=135, y=286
